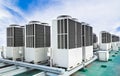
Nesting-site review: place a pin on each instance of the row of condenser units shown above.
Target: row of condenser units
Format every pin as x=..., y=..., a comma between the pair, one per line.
x=69, y=42
x=109, y=41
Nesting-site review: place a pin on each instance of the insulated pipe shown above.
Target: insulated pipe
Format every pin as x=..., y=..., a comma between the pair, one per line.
x=52, y=70
x=58, y=71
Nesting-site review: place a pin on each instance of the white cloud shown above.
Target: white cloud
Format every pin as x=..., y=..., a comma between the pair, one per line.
x=7, y=18
x=101, y=14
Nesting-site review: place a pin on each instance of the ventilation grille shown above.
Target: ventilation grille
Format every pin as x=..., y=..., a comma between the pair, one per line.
x=69, y=34
x=37, y=35
x=15, y=36
x=115, y=38
x=87, y=35
x=106, y=37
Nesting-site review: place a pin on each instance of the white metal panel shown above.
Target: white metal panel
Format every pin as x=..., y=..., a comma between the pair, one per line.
x=88, y=53
x=67, y=58
x=60, y=57
x=14, y=52
x=29, y=54
x=75, y=57
x=41, y=54
x=54, y=43
x=119, y=44
x=103, y=55
x=36, y=54
x=105, y=46
x=9, y=51
x=114, y=46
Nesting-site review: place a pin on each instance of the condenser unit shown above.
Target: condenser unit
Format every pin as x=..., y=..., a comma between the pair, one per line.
x=105, y=41
x=15, y=42
x=87, y=38
x=103, y=55
x=66, y=42
x=37, y=42
x=115, y=43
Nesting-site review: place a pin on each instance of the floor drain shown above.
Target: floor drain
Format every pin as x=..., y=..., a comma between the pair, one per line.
x=103, y=66
x=84, y=69
x=113, y=55
x=109, y=59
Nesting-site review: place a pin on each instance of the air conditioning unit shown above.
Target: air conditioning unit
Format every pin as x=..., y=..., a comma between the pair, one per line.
x=115, y=43
x=105, y=41
x=103, y=55
x=37, y=42
x=87, y=38
x=66, y=42
x=15, y=42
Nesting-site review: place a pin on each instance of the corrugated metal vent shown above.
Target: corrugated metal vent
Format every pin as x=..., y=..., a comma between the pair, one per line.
x=15, y=36
x=37, y=35
x=87, y=35
x=105, y=37
x=115, y=38
x=69, y=33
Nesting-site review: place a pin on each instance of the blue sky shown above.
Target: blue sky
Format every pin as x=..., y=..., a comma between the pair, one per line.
x=101, y=14
x=26, y=5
